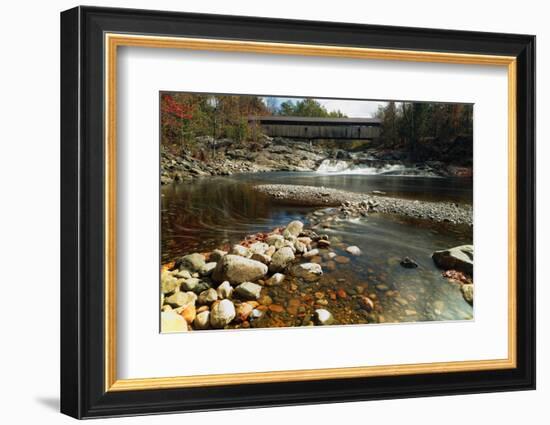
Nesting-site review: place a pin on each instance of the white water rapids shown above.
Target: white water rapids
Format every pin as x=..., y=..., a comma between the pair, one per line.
x=335, y=166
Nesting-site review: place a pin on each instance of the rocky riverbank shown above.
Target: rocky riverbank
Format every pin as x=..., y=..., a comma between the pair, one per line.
x=352, y=204
x=226, y=157
x=291, y=276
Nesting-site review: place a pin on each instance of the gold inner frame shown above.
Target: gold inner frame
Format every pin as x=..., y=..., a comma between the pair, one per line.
x=113, y=41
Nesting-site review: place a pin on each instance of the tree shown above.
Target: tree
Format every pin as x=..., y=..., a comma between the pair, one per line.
x=307, y=108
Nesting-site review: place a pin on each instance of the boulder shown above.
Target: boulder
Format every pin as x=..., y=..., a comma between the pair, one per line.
x=202, y=320
x=237, y=269
x=281, y=259
x=307, y=271
x=222, y=314
x=295, y=228
x=193, y=262
x=459, y=258
x=323, y=317
x=170, y=321
x=275, y=280
x=225, y=290
x=248, y=291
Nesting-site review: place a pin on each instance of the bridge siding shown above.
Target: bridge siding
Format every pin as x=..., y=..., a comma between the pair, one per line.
x=322, y=131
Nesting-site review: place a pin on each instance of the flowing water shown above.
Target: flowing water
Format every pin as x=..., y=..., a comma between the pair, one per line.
x=215, y=212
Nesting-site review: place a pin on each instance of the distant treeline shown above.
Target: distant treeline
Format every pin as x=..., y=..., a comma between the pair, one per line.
x=428, y=130
x=184, y=117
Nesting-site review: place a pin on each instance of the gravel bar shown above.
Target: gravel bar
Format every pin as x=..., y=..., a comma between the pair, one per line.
x=327, y=197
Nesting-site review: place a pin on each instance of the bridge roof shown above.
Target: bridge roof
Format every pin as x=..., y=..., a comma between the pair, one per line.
x=280, y=119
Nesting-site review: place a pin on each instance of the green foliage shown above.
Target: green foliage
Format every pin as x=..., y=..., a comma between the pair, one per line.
x=307, y=108
x=412, y=125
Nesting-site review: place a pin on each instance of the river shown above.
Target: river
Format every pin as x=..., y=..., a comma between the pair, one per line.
x=215, y=212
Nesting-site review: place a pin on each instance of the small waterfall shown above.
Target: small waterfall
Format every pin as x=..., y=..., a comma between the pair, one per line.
x=334, y=166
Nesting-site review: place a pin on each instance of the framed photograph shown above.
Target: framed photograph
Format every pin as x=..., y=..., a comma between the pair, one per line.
x=261, y=212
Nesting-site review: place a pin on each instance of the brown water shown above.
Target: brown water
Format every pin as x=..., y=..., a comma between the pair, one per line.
x=215, y=212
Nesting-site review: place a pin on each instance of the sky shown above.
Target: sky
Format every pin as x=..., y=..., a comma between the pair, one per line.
x=351, y=108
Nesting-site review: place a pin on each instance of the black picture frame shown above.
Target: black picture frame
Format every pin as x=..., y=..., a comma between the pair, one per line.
x=83, y=392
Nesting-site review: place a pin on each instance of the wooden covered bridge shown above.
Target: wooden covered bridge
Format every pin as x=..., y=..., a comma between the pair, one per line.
x=318, y=128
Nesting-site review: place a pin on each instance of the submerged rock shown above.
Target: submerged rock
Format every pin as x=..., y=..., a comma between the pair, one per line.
x=353, y=250
x=307, y=271
x=408, y=263
x=237, y=269
x=312, y=253
x=458, y=258
x=194, y=262
x=248, y=291
x=222, y=314
x=275, y=280
x=323, y=317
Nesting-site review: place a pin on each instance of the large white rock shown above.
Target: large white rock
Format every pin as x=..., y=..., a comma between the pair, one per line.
x=222, y=314
x=237, y=269
x=170, y=321
x=281, y=259
x=307, y=271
